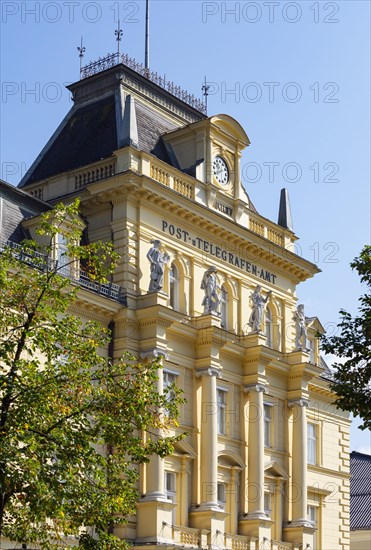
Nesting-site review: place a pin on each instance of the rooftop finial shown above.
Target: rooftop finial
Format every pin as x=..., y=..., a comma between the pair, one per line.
x=205, y=89
x=146, y=50
x=118, y=34
x=81, y=49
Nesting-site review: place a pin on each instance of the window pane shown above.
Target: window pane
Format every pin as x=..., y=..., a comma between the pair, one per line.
x=312, y=444
x=224, y=308
x=168, y=380
x=221, y=396
x=268, y=327
x=267, y=503
x=170, y=482
x=222, y=495
x=173, y=286
x=268, y=419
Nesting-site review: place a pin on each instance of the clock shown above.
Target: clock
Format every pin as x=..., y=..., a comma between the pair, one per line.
x=220, y=170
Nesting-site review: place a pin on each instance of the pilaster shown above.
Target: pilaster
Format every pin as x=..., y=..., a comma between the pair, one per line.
x=299, y=530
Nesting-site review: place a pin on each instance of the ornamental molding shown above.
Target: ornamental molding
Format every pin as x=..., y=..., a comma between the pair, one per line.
x=155, y=322
x=154, y=353
x=245, y=247
x=260, y=388
x=298, y=402
x=321, y=391
x=210, y=371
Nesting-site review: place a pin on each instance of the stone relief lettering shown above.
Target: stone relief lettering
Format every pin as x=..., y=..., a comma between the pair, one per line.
x=217, y=252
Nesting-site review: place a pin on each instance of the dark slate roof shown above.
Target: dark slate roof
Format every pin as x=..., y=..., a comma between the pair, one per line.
x=151, y=126
x=360, y=491
x=89, y=135
x=17, y=206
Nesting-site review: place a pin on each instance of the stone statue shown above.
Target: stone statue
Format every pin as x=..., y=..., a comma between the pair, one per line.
x=301, y=329
x=158, y=260
x=257, y=308
x=209, y=285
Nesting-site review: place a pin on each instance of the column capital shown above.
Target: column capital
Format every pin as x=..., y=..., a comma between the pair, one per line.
x=154, y=353
x=255, y=387
x=211, y=371
x=298, y=402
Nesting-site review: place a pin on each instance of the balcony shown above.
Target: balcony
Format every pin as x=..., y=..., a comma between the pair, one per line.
x=76, y=275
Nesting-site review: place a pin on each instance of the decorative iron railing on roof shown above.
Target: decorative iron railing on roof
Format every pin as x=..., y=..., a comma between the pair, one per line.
x=113, y=59
x=77, y=276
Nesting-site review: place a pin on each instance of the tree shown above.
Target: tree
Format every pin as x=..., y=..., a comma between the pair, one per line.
x=352, y=378
x=74, y=425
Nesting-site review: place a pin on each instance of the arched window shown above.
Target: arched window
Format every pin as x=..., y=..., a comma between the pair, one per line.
x=174, y=287
x=224, y=308
x=269, y=327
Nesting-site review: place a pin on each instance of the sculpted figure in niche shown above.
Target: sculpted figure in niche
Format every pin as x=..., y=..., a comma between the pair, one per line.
x=301, y=329
x=209, y=285
x=157, y=260
x=258, y=303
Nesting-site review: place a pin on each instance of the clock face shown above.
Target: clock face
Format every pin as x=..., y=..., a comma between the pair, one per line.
x=220, y=170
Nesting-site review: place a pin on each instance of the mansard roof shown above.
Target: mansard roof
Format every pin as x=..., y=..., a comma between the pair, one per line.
x=102, y=121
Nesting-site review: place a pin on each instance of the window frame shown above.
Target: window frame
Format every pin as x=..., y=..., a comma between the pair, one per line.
x=222, y=410
x=174, y=286
x=312, y=440
x=317, y=510
x=268, y=327
x=165, y=384
x=268, y=424
x=224, y=307
x=221, y=491
x=268, y=510
x=171, y=494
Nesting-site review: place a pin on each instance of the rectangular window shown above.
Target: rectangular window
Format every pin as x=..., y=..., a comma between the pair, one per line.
x=312, y=443
x=168, y=381
x=222, y=495
x=268, y=423
x=62, y=254
x=221, y=396
x=268, y=503
x=170, y=490
x=312, y=516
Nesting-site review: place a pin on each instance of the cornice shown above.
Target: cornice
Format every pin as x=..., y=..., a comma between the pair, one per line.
x=211, y=371
x=255, y=247
x=321, y=391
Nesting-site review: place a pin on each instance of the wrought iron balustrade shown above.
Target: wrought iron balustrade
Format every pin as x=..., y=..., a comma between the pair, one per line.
x=73, y=272
x=113, y=59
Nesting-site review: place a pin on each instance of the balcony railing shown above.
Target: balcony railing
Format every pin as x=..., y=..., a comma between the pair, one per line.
x=165, y=177
x=186, y=536
x=76, y=275
x=238, y=542
x=277, y=545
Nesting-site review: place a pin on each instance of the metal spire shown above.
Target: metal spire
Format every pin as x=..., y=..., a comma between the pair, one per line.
x=81, y=49
x=146, y=48
x=205, y=90
x=118, y=34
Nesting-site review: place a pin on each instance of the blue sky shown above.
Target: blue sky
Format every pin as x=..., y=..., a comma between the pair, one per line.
x=294, y=74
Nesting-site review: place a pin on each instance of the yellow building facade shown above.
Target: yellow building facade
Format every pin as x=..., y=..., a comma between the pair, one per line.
x=265, y=463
